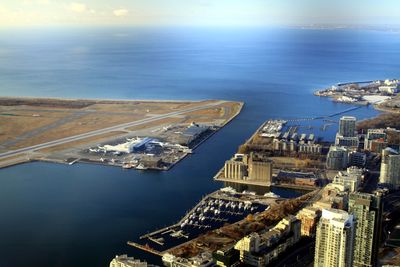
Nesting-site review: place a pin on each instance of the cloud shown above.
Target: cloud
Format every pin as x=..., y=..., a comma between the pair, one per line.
x=43, y=2
x=122, y=12
x=37, y=2
x=77, y=7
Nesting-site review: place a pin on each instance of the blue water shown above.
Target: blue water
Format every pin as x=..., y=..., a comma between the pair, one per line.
x=82, y=215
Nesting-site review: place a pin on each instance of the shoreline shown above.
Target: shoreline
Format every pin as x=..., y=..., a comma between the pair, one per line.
x=116, y=99
x=357, y=93
x=19, y=156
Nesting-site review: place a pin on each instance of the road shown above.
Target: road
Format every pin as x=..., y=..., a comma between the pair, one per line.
x=118, y=127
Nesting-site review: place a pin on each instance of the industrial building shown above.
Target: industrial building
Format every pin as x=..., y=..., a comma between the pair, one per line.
x=192, y=132
x=334, y=239
x=252, y=167
x=235, y=169
x=259, y=169
x=390, y=168
x=297, y=178
x=367, y=210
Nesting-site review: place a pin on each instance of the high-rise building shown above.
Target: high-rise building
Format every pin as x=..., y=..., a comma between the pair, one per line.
x=367, y=211
x=390, y=168
x=357, y=159
x=346, y=135
x=337, y=158
x=375, y=140
x=377, y=145
x=347, y=126
x=347, y=141
x=334, y=239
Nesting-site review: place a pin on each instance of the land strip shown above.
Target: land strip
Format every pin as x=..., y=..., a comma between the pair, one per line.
x=52, y=126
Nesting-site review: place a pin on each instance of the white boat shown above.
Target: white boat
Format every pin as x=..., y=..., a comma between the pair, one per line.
x=249, y=193
x=176, y=234
x=228, y=190
x=127, y=166
x=271, y=194
x=141, y=167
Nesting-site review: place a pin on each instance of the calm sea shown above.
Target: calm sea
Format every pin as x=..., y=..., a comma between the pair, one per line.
x=82, y=215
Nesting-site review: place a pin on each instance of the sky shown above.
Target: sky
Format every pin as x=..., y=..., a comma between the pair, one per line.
x=23, y=13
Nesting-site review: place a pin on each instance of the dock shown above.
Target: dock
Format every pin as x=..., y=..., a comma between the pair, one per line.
x=145, y=248
x=348, y=83
x=162, y=230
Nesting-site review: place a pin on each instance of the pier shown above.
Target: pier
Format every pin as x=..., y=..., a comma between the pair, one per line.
x=145, y=248
x=348, y=83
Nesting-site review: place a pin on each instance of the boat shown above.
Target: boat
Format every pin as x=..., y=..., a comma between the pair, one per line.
x=228, y=190
x=245, y=192
x=176, y=234
x=141, y=167
x=271, y=194
x=127, y=166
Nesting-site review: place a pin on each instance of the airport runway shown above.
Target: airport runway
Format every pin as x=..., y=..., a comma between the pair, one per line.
x=118, y=127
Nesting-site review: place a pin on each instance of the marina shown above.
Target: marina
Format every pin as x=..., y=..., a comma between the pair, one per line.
x=225, y=206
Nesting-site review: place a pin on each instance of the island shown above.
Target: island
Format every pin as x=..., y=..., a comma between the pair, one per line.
x=382, y=93
x=140, y=134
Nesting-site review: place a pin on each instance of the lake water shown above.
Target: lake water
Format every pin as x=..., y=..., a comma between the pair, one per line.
x=82, y=215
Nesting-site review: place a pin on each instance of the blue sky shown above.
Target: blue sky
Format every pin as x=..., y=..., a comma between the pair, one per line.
x=197, y=12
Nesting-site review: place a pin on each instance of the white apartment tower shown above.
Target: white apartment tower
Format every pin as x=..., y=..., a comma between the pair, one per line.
x=334, y=239
x=390, y=168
